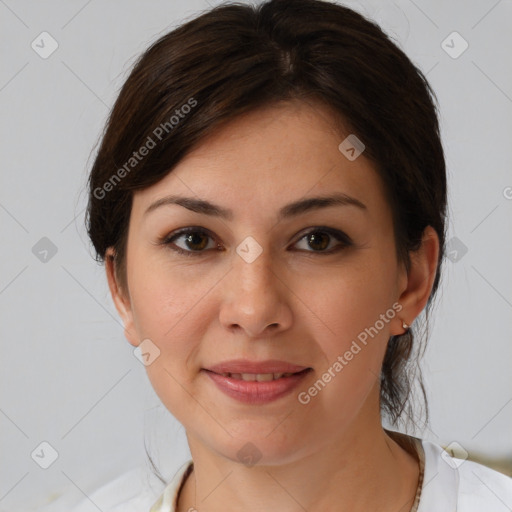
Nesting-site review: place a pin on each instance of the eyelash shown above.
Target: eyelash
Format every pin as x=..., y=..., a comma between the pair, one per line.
x=334, y=233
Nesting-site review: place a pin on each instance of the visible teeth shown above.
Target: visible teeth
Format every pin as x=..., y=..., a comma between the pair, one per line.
x=260, y=377
x=263, y=377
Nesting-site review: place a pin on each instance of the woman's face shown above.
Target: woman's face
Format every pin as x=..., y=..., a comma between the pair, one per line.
x=253, y=285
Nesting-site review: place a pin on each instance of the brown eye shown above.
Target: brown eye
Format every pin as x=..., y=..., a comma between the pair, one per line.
x=320, y=239
x=194, y=241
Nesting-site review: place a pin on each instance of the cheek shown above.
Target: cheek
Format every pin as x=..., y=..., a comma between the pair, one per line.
x=347, y=300
x=351, y=339
x=163, y=297
x=163, y=310
x=352, y=314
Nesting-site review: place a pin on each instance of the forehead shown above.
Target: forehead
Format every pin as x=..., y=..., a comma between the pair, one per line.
x=269, y=157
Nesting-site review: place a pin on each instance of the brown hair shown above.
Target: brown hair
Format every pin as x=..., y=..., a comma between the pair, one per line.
x=236, y=58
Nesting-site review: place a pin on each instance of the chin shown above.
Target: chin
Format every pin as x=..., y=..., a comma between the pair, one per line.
x=259, y=447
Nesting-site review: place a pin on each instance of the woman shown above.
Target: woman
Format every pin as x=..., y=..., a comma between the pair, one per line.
x=269, y=199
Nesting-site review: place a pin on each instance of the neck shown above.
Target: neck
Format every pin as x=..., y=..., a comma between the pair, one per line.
x=363, y=469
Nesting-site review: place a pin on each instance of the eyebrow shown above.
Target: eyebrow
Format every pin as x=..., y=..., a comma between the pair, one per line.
x=290, y=210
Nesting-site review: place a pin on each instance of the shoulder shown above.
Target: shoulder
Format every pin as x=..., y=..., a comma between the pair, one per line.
x=482, y=488
x=452, y=484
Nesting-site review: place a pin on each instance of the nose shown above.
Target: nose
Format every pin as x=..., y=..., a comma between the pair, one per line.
x=256, y=297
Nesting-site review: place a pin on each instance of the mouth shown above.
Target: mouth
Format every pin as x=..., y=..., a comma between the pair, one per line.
x=257, y=388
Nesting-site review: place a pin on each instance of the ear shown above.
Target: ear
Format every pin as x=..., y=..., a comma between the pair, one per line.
x=416, y=284
x=121, y=299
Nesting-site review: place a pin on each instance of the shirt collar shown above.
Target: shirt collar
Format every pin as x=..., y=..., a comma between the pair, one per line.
x=440, y=483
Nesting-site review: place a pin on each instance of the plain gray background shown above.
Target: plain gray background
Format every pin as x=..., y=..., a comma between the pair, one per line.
x=70, y=378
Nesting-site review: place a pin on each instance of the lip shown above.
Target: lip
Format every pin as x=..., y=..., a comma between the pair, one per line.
x=255, y=392
x=246, y=366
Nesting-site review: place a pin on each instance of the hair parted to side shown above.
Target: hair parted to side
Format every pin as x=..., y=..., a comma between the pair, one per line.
x=236, y=58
